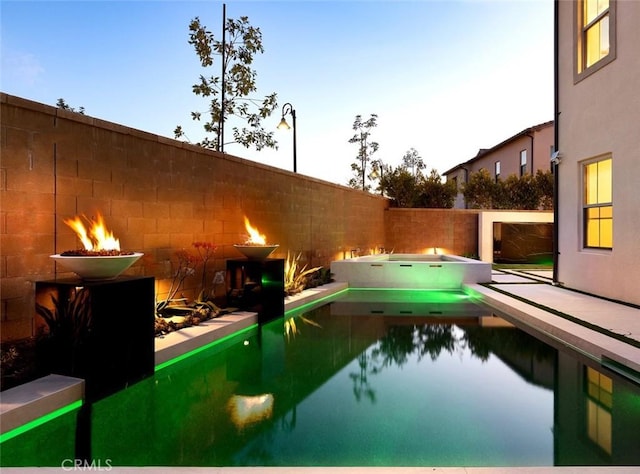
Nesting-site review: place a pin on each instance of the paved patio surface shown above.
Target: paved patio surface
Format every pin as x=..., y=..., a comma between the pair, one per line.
x=619, y=318
x=606, y=330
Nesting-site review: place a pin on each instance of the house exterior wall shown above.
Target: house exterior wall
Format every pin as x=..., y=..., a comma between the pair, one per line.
x=600, y=115
x=159, y=196
x=509, y=154
x=537, y=141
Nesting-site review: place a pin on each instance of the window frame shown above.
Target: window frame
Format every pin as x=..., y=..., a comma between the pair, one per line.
x=497, y=170
x=586, y=207
x=580, y=71
x=523, y=165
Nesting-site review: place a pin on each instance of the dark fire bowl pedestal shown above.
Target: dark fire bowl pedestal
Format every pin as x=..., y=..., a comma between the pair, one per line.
x=257, y=285
x=112, y=346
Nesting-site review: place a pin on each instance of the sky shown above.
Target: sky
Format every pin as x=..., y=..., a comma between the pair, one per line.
x=445, y=77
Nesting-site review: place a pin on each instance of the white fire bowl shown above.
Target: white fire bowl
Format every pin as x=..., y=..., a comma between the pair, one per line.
x=97, y=268
x=256, y=252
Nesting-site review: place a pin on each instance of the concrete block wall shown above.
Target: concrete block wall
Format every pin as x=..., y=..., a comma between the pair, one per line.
x=158, y=196
x=445, y=231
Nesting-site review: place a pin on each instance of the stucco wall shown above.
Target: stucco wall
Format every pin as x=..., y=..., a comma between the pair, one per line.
x=600, y=115
x=158, y=196
x=509, y=154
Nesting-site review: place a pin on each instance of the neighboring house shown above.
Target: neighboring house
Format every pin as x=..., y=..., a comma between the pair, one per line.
x=597, y=84
x=525, y=152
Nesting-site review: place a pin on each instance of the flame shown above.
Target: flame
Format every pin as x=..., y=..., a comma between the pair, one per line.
x=97, y=237
x=255, y=237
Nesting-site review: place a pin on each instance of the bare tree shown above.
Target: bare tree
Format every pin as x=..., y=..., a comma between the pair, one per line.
x=366, y=149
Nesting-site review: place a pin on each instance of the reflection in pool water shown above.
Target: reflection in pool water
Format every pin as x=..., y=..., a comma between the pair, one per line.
x=356, y=387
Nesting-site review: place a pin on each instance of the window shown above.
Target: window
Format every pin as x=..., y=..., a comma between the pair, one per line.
x=595, y=31
x=598, y=205
x=523, y=162
x=595, y=28
x=497, y=170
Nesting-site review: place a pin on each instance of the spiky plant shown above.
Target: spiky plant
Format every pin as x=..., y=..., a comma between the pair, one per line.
x=70, y=317
x=295, y=278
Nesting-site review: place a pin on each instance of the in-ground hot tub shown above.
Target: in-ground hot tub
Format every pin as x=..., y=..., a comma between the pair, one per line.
x=414, y=271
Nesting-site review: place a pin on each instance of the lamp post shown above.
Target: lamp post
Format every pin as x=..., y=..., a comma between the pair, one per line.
x=283, y=125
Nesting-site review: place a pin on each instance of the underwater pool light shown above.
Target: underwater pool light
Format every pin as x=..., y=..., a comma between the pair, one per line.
x=40, y=421
x=205, y=347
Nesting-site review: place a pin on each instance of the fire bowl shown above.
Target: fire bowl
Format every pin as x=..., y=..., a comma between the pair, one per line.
x=94, y=268
x=256, y=252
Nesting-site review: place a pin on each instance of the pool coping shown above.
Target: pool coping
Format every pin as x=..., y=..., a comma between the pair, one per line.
x=30, y=401
x=177, y=343
x=614, y=353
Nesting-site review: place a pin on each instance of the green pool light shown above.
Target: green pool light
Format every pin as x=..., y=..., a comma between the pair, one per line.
x=315, y=303
x=40, y=421
x=217, y=342
x=416, y=295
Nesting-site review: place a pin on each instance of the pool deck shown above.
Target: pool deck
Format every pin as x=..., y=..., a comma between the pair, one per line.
x=603, y=330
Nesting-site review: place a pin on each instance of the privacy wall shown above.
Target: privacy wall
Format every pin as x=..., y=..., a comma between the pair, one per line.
x=159, y=196
x=442, y=231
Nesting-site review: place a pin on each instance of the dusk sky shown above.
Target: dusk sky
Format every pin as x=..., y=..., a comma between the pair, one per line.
x=445, y=77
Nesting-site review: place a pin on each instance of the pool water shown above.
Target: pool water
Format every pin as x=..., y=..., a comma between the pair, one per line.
x=374, y=378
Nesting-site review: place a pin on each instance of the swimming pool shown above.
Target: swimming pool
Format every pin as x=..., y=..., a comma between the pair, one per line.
x=374, y=378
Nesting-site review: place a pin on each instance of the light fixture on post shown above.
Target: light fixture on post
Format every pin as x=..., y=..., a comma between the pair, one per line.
x=283, y=125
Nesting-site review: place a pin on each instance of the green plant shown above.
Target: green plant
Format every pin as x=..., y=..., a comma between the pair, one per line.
x=230, y=94
x=413, y=189
x=325, y=276
x=70, y=317
x=523, y=192
x=366, y=148
x=64, y=347
x=480, y=190
x=434, y=193
x=295, y=278
x=62, y=104
x=18, y=363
